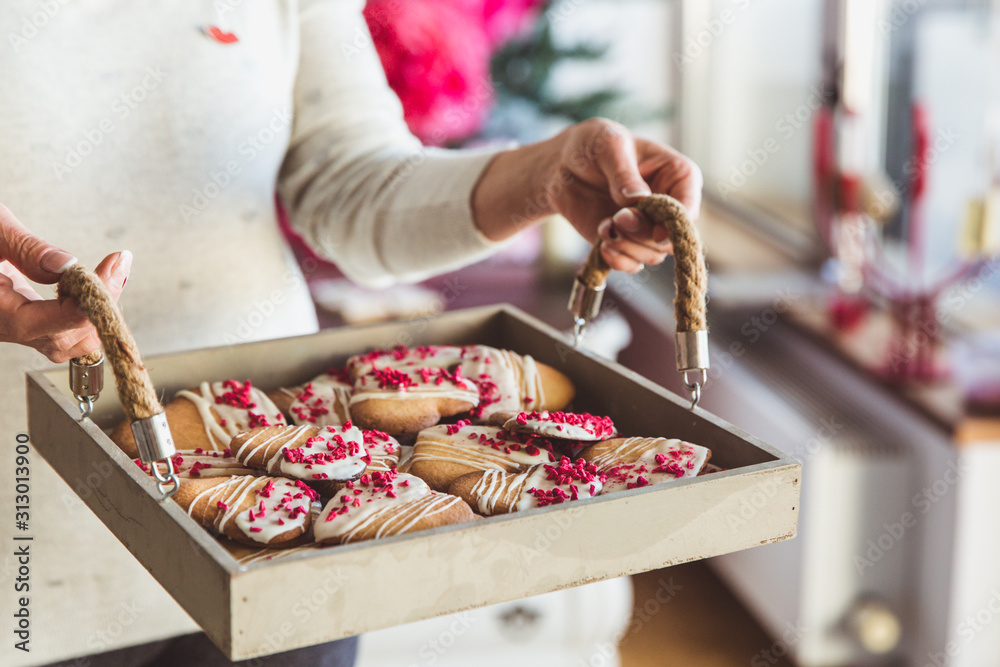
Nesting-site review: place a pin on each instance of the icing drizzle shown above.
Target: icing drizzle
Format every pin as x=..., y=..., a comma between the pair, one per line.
x=195, y=463
x=537, y=486
x=323, y=401
x=564, y=425
x=480, y=447
x=490, y=379
x=278, y=506
x=638, y=462
x=388, y=502
x=239, y=405
x=332, y=453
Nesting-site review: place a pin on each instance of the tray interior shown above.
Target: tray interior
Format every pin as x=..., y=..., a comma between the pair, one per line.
x=602, y=385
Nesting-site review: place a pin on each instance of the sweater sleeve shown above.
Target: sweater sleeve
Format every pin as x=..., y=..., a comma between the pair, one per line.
x=360, y=189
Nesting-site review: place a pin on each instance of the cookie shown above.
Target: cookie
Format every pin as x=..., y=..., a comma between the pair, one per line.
x=630, y=463
x=323, y=457
x=383, y=504
x=323, y=401
x=195, y=463
x=496, y=492
x=581, y=426
x=445, y=452
x=405, y=390
x=208, y=416
x=258, y=511
x=383, y=450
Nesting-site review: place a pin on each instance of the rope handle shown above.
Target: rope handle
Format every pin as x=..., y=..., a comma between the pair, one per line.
x=135, y=389
x=690, y=274
x=690, y=279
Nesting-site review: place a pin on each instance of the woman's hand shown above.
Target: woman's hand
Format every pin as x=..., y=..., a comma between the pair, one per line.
x=56, y=328
x=589, y=173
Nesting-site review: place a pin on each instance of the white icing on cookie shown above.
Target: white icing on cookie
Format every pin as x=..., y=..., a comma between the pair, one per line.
x=393, y=501
x=495, y=486
x=384, y=450
x=562, y=425
x=521, y=491
x=250, y=408
x=418, y=373
x=492, y=380
x=199, y=463
x=280, y=505
x=321, y=401
x=484, y=446
x=644, y=461
x=335, y=453
x=542, y=478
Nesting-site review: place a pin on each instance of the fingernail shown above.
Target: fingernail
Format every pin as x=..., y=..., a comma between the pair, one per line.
x=57, y=261
x=122, y=266
x=607, y=230
x=632, y=192
x=626, y=220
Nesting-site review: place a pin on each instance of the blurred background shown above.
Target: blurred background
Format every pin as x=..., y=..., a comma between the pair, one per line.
x=851, y=153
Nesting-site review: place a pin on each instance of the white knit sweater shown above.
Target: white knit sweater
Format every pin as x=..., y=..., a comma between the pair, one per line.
x=122, y=125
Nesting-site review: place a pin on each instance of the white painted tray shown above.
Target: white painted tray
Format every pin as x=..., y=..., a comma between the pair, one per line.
x=252, y=607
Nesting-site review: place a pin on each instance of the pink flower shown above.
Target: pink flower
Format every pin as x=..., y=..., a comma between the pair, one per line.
x=436, y=56
x=506, y=19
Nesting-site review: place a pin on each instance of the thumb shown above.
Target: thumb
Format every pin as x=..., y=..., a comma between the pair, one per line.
x=33, y=256
x=620, y=166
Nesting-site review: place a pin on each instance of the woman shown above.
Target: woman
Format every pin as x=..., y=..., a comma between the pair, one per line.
x=130, y=126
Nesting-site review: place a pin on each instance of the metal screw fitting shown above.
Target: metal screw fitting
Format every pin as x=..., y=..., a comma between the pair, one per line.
x=86, y=383
x=584, y=305
x=153, y=438
x=692, y=358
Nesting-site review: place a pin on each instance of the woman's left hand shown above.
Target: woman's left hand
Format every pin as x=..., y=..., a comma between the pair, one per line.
x=590, y=173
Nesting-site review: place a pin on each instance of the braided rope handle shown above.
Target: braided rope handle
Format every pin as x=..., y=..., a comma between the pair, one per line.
x=135, y=389
x=690, y=274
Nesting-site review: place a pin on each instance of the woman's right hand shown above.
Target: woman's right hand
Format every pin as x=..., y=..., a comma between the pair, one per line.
x=56, y=328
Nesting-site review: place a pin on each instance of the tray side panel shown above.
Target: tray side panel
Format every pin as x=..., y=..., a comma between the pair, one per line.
x=337, y=595
x=149, y=530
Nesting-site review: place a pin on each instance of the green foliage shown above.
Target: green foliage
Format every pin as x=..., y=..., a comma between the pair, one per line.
x=522, y=70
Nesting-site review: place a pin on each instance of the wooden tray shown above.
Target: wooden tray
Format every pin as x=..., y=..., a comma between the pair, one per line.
x=252, y=606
